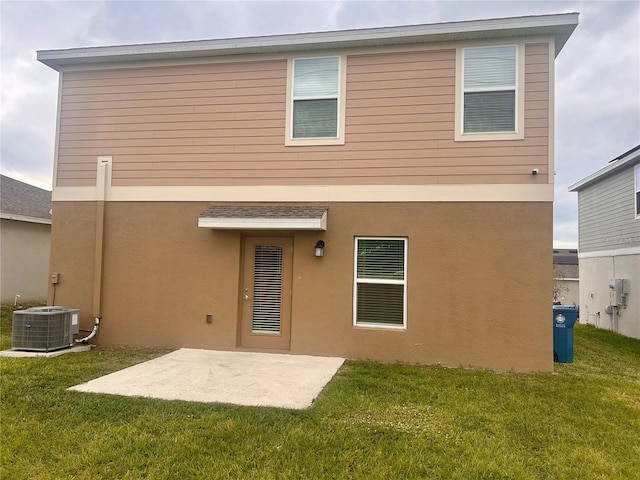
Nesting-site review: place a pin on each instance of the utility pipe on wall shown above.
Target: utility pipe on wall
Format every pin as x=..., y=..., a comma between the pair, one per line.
x=103, y=181
x=93, y=333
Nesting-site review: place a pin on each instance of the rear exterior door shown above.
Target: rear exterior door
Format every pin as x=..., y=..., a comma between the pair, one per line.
x=266, y=293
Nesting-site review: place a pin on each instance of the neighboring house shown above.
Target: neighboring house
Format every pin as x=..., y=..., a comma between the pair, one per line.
x=25, y=239
x=382, y=193
x=566, y=276
x=609, y=245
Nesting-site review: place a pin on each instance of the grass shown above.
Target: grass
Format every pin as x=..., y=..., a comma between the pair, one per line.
x=372, y=421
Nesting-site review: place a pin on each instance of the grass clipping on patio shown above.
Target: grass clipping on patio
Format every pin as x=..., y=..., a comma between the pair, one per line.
x=372, y=421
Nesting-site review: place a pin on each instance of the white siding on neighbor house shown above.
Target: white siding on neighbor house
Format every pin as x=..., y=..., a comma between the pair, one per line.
x=596, y=273
x=24, y=261
x=606, y=213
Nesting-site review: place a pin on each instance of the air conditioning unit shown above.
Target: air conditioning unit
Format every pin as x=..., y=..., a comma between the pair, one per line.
x=44, y=329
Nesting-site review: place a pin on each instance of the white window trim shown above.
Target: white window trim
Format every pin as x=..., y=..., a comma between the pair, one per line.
x=379, y=281
x=342, y=90
x=518, y=134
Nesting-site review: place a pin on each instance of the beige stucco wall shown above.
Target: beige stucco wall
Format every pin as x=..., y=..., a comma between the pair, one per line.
x=24, y=253
x=479, y=277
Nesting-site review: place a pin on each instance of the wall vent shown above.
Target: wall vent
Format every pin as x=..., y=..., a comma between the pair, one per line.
x=44, y=329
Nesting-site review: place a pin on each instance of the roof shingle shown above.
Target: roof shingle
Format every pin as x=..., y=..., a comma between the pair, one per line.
x=22, y=199
x=264, y=211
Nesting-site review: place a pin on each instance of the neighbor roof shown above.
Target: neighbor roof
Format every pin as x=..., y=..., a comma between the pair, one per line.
x=24, y=202
x=558, y=25
x=627, y=159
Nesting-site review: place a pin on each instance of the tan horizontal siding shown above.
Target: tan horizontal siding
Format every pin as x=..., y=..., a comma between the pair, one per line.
x=319, y=162
x=223, y=96
x=360, y=142
x=443, y=94
x=224, y=124
x=180, y=107
x=159, y=72
x=277, y=117
x=210, y=78
x=536, y=101
x=158, y=126
x=214, y=155
x=321, y=171
x=437, y=103
x=196, y=180
x=219, y=85
x=105, y=139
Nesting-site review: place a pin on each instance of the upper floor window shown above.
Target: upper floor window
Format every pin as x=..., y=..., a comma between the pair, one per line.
x=489, y=89
x=315, y=110
x=490, y=105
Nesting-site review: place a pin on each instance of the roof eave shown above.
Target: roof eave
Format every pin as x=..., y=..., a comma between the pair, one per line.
x=559, y=25
x=630, y=158
x=24, y=218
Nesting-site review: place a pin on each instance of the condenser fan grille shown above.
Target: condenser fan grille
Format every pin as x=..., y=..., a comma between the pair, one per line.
x=43, y=329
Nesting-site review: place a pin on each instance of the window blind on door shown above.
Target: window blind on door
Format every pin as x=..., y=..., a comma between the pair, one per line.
x=267, y=289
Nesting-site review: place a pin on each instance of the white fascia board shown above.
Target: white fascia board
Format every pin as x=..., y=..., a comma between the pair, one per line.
x=24, y=218
x=559, y=25
x=631, y=159
x=264, y=223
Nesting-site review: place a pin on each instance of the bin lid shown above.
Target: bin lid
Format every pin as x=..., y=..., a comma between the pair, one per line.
x=564, y=308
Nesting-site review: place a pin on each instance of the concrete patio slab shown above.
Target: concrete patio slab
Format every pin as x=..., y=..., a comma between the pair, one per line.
x=239, y=378
x=55, y=353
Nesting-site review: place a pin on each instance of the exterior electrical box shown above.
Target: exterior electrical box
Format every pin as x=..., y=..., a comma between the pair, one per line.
x=621, y=290
x=44, y=329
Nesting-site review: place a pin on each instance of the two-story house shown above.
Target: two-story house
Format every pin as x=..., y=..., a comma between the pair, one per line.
x=382, y=193
x=609, y=245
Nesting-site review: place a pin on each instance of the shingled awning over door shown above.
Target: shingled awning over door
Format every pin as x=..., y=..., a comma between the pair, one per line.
x=264, y=217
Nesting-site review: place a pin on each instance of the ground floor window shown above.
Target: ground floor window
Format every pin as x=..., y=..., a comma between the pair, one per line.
x=380, y=285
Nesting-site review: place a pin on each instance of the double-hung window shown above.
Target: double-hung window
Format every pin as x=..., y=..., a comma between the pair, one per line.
x=490, y=102
x=316, y=103
x=380, y=290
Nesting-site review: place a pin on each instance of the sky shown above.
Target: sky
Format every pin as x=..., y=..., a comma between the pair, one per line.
x=597, y=72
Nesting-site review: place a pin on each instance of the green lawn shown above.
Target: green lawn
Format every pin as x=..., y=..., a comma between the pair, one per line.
x=372, y=421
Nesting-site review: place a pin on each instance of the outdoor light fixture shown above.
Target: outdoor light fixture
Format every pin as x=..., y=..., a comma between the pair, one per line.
x=319, y=249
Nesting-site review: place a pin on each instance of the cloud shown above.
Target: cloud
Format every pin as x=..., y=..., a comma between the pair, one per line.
x=29, y=89
x=597, y=73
